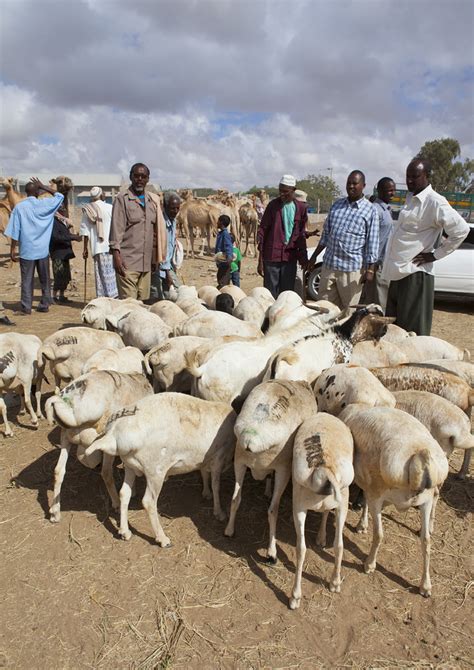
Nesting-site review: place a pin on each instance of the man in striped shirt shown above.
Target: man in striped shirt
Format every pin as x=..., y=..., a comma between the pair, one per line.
x=351, y=239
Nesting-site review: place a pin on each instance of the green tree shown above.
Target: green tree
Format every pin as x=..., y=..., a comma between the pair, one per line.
x=319, y=187
x=448, y=173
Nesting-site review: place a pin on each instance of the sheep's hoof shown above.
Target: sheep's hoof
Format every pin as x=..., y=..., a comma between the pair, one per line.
x=207, y=495
x=35, y=425
x=166, y=544
x=55, y=517
x=220, y=516
x=321, y=543
x=125, y=535
x=369, y=568
x=8, y=434
x=229, y=533
x=461, y=476
x=271, y=560
x=425, y=592
x=361, y=530
x=335, y=587
x=294, y=603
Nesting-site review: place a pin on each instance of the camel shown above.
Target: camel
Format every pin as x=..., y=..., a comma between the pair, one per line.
x=203, y=213
x=8, y=202
x=248, y=224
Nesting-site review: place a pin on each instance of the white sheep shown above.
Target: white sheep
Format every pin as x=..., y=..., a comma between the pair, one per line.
x=342, y=385
x=307, y=357
x=96, y=310
x=234, y=291
x=424, y=348
x=18, y=372
x=447, y=423
x=167, y=434
x=139, y=328
x=396, y=462
x=208, y=294
x=211, y=324
x=321, y=474
x=249, y=309
x=265, y=430
x=378, y=354
x=169, y=311
x=67, y=350
x=128, y=360
x=396, y=334
x=82, y=409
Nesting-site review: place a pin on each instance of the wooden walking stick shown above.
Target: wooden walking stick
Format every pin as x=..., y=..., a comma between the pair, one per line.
x=85, y=280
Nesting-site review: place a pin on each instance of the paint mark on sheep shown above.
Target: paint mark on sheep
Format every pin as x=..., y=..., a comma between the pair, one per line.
x=314, y=451
x=6, y=360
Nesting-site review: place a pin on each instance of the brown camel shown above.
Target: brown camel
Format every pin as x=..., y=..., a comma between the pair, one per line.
x=8, y=202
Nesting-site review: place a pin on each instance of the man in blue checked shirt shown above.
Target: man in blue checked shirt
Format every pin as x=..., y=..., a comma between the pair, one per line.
x=351, y=239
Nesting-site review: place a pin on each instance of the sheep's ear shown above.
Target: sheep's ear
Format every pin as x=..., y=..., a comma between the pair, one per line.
x=371, y=327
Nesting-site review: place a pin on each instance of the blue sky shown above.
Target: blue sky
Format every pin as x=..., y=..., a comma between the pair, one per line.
x=233, y=93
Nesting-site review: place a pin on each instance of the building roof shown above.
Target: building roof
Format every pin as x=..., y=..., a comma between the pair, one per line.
x=78, y=179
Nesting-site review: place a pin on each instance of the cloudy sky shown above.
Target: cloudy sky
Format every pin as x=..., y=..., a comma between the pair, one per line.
x=229, y=92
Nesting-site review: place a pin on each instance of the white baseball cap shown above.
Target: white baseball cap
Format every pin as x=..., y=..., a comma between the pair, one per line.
x=288, y=180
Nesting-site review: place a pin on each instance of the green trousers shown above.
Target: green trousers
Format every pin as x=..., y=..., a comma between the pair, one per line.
x=411, y=300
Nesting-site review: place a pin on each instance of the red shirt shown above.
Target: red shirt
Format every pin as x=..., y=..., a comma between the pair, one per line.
x=271, y=234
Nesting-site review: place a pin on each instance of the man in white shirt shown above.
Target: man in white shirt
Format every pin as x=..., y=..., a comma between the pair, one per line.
x=95, y=228
x=415, y=244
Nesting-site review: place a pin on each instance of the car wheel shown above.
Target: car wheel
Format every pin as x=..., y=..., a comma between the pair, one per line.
x=312, y=287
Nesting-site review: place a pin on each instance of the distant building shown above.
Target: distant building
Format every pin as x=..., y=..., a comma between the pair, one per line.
x=109, y=183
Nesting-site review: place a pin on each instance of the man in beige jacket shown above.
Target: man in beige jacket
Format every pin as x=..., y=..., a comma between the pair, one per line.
x=137, y=236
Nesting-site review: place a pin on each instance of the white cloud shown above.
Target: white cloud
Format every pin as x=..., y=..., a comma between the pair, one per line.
x=219, y=92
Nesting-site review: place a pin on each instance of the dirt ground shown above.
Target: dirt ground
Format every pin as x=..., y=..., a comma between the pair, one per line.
x=74, y=596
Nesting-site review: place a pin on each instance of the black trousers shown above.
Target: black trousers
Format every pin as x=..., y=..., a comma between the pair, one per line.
x=27, y=269
x=223, y=274
x=279, y=277
x=411, y=301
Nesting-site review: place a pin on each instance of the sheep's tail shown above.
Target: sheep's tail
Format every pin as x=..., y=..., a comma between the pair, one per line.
x=463, y=442
x=422, y=473
x=146, y=363
x=45, y=353
x=191, y=358
x=105, y=443
x=324, y=483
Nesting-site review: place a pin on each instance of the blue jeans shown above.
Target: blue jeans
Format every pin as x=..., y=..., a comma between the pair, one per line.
x=235, y=278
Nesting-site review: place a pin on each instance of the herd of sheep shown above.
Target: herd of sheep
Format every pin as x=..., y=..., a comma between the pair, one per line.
x=308, y=393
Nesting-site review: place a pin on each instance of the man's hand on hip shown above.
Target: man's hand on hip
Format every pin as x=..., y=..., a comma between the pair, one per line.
x=424, y=257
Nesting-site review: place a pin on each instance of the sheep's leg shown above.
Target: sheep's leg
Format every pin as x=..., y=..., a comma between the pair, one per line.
x=22, y=409
x=8, y=431
x=150, y=500
x=39, y=384
x=433, y=509
x=299, y=519
x=364, y=519
x=206, y=490
x=268, y=487
x=191, y=238
x=215, y=483
x=239, y=470
x=57, y=382
x=376, y=512
x=321, y=538
x=341, y=514
x=27, y=400
x=426, y=511
x=59, y=472
x=125, y=495
x=107, y=473
x=465, y=464
x=282, y=477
